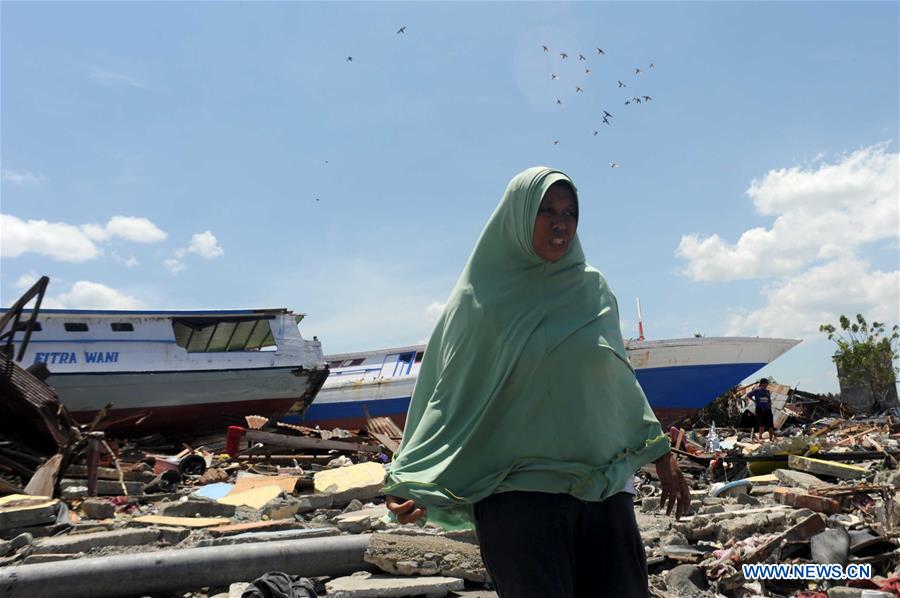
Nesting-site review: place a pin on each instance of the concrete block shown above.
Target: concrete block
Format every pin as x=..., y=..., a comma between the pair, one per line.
x=362, y=482
x=410, y=554
x=78, y=488
x=97, y=508
x=86, y=542
x=799, y=479
x=172, y=535
x=357, y=522
x=197, y=507
x=829, y=468
x=281, y=508
x=314, y=502
x=367, y=585
x=285, y=534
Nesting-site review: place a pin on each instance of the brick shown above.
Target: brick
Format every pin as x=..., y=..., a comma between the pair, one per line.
x=796, y=499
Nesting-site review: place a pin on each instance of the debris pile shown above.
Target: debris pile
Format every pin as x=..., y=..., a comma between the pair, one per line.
x=216, y=515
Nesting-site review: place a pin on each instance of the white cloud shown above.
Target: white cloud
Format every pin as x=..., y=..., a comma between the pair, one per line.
x=136, y=230
x=57, y=240
x=111, y=78
x=69, y=243
x=821, y=213
x=205, y=245
x=26, y=280
x=174, y=265
x=130, y=261
x=23, y=178
x=92, y=295
x=798, y=305
x=434, y=311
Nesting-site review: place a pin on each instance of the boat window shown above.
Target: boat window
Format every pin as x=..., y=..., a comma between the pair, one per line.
x=335, y=364
x=122, y=327
x=356, y=361
x=214, y=335
x=75, y=327
x=23, y=326
x=419, y=356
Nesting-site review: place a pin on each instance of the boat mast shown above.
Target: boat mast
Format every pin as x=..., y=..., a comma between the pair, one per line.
x=640, y=321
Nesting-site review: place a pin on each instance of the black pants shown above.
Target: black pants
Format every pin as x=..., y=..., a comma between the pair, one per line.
x=541, y=545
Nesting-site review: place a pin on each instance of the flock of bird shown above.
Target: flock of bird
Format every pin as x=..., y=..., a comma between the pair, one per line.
x=635, y=99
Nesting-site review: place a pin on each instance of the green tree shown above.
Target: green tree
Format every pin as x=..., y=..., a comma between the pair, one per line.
x=865, y=355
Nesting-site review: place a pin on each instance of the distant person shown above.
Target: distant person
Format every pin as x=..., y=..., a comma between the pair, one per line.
x=527, y=419
x=763, y=400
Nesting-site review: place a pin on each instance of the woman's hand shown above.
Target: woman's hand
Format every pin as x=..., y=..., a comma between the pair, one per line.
x=675, y=491
x=406, y=512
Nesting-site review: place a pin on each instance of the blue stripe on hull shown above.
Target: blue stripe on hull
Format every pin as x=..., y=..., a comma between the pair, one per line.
x=679, y=387
x=351, y=409
x=691, y=387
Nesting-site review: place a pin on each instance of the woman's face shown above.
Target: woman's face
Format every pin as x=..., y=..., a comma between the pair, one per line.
x=556, y=221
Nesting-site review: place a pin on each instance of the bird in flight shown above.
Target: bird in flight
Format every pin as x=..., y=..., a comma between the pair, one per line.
x=607, y=114
x=558, y=101
x=556, y=142
x=578, y=89
x=627, y=102
x=596, y=132
x=402, y=30
x=317, y=199
x=553, y=77
x=637, y=71
x=563, y=55
x=647, y=98
x=622, y=84
x=349, y=59
x=605, y=121
x=636, y=99
x=653, y=66
x=613, y=165
x=546, y=49
x=581, y=57
x=587, y=71
x=600, y=51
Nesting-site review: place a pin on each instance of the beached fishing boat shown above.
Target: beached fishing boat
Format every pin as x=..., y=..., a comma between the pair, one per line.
x=168, y=371
x=678, y=376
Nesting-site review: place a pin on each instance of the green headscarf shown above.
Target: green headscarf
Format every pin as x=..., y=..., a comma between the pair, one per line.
x=525, y=383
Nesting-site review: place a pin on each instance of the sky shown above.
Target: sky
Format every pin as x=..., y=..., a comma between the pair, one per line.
x=223, y=155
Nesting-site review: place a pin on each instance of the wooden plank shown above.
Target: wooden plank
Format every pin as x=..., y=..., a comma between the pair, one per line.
x=181, y=521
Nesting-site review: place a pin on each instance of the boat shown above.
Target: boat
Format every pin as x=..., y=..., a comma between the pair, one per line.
x=175, y=371
x=678, y=376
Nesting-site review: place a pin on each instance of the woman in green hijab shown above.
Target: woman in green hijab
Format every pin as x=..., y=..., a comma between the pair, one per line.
x=527, y=419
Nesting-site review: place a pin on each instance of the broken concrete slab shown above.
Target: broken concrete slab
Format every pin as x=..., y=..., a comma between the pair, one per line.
x=286, y=534
x=78, y=488
x=181, y=521
x=86, y=542
x=686, y=580
x=281, y=507
x=799, y=479
x=97, y=508
x=367, y=585
x=425, y=554
x=314, y=502
x=362, y=520
x=362, y=482
x=172, y=535
x=828, y=468
x=248, y=481
x=196, y=507
x=23, y=510
x=255, y=498
x=254, y=526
